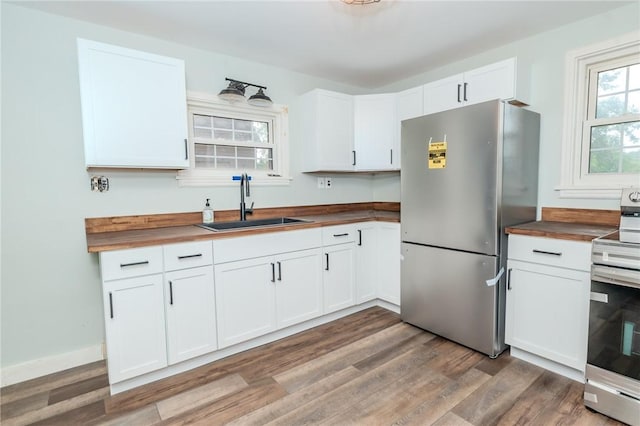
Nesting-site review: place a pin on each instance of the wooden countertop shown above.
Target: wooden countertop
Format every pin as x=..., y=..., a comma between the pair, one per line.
x=562, y=230
x=117, y=240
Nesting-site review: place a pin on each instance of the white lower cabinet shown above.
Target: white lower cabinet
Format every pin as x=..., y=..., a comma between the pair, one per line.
x=245, y=297
x=134, y=326
x=547, y=312
x=388, y=262
x=191, y=313
x=298, y=287
x=366, y=261
x=339, y=277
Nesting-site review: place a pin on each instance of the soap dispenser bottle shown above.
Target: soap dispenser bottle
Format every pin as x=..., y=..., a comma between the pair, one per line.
x=207, y=213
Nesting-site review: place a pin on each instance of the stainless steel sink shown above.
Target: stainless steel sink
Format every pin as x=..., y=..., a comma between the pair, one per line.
x=240, y=224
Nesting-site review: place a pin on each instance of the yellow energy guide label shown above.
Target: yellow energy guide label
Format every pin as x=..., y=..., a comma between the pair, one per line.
x=437, y=155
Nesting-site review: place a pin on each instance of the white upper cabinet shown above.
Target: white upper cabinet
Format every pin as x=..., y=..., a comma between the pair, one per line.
x=409, y=104
x=375, y=134
x=328, y=124
x=495, y=81
x=134, y=111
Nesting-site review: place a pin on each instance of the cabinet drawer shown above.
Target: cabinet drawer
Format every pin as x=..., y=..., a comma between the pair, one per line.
x=549, y=251
x=338, y=234
x=187, y=255
x=118, y=264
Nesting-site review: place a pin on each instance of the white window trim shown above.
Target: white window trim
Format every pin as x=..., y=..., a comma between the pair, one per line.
x=278, y=114
x=573, y=183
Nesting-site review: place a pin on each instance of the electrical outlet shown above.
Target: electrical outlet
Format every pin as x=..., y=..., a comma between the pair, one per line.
x=99, y=184
x=328, y=183
x=321, y=183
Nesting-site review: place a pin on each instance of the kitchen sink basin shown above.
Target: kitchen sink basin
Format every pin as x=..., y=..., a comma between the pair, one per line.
x=241, y=224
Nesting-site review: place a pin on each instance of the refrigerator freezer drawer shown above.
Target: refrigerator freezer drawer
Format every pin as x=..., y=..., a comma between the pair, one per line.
x=445, y=292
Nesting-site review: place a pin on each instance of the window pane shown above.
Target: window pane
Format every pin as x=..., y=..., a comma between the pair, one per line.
x=245, y=152
x=612, y=81
x=205, y=162
x=222, y=123
x=634, y=102
x=242, y=125
x=224, y=134
x=260, y=132
x=226, y=163
x=262, y=164
x=242, y=136
x=246, y=164
x=202, y=133
x=606, y=161
x=205, y=149
x=264, y=153
x=631, y=160
x=610, y=106
x=201, y=120
x=634, y=77
x=606, y=136
x=631, y=134
x=225, y=151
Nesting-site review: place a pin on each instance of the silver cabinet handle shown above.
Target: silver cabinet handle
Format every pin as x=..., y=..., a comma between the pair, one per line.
x=189, y=256
x=124, y=265
x=186, y=150
x=391, y=159
x=552, y=253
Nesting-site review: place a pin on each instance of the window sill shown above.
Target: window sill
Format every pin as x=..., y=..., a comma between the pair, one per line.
x=187, y=179
x=589, y=193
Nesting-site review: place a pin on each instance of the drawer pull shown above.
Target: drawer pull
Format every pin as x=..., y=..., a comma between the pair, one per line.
x=111, y=304
x=346, y=234
x=124, y=265
x=552, y=253
x=189, y=256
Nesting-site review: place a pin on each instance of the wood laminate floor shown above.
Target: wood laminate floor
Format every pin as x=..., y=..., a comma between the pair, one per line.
x=365, y=369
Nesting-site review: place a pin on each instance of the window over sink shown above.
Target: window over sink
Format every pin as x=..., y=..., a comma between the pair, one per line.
x=228, y=139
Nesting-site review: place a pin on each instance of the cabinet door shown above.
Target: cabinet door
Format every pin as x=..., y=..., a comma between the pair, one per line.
x=444, y=94
x=191, y=313
x=298, y=286
x=334, y=131
x=339, y=277
x=245, y=300
x=409, y=104
x=389, y=262
x=134, y=110
x=547, y=312
x=374, y=131
x=495, y=81
x=366, y=262
x=134, y=325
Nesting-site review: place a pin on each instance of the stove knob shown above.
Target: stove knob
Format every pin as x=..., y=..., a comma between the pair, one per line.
x=634, y=196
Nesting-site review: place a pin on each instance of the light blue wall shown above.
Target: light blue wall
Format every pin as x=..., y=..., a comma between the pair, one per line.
x=51, y=300
x=50, y=296
x=546, y=55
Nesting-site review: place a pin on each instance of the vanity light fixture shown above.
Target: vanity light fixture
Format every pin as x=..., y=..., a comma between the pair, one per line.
x=235, y=93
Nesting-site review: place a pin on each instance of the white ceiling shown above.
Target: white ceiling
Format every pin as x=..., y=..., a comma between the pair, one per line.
x=367, y=46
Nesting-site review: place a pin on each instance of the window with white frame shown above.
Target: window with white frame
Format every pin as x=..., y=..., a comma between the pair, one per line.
x=601, y=144
x=228, y=139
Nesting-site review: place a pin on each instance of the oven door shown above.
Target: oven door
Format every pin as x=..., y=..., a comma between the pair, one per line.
x=614, y=321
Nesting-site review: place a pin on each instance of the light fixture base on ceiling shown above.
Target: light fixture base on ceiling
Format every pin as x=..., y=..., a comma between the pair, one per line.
x=360, y=2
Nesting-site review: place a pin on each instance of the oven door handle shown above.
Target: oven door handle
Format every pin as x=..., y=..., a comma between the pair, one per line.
x=616, y=276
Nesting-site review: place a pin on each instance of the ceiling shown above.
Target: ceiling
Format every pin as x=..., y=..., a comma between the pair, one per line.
x=363, y=45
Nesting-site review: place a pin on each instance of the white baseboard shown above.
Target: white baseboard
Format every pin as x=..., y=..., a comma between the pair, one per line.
x=547, y=364
x=51, y=364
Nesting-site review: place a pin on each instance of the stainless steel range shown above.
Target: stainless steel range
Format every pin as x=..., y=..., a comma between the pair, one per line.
x=613, y=360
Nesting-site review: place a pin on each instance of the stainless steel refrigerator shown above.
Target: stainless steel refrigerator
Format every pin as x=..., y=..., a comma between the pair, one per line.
x=466, y=174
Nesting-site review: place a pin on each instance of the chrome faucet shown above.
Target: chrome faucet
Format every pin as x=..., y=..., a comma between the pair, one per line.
x=244, y=190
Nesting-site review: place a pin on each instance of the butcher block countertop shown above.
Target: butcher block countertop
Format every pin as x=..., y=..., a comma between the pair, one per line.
x=116, y=233
x=570, y=224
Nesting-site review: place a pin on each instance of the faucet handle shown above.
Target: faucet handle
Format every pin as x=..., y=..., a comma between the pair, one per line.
x=250, y=209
